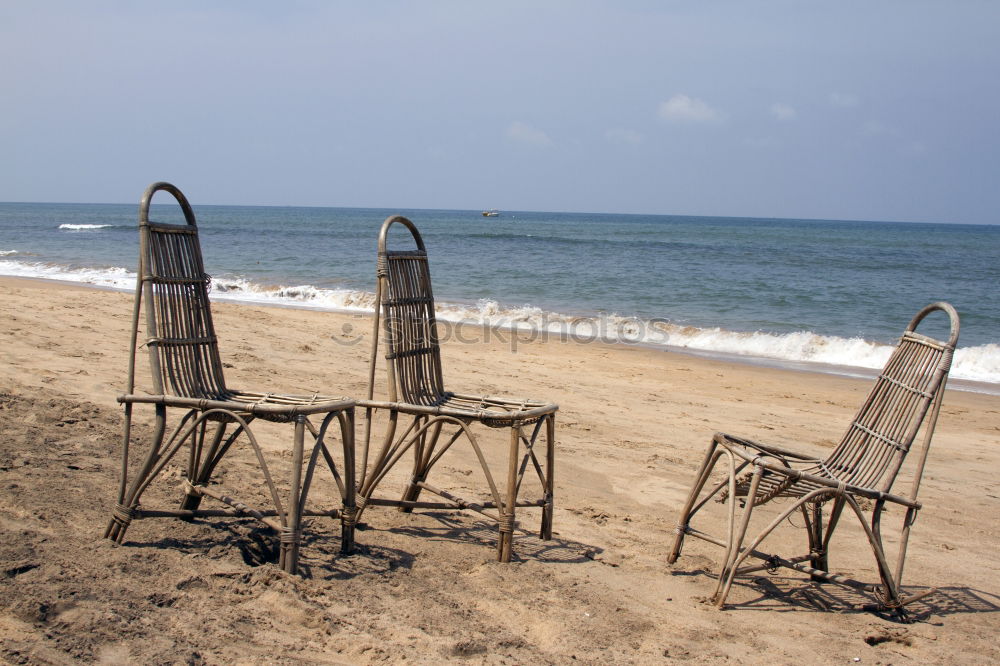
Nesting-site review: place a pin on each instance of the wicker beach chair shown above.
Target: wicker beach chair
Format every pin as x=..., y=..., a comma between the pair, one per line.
x=858, y=474
x=437, y=417
x=187, y=376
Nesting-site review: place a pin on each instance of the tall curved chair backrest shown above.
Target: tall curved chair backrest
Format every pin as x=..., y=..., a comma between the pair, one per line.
x=183, y=348
x=413, y=352
x=911, y=384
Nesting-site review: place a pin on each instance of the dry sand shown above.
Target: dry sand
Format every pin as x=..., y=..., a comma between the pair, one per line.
x=424, y=587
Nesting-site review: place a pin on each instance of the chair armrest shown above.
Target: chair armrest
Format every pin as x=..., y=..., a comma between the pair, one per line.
x=729, y=440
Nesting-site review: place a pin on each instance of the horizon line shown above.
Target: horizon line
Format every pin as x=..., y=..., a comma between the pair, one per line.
x=548, y=212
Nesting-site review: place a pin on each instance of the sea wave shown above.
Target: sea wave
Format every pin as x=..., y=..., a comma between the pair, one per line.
x=84, y=227
x=112, y=277
x=979, y=364
x=239, y=289
x=7, y=253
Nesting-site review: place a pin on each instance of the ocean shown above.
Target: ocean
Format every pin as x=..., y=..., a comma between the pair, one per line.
x=825, y=295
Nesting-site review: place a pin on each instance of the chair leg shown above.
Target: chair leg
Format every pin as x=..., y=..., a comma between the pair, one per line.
x=814, y=531
x=904, y=537
x=545, y=532
x=111, y=531
x=348, y=515
x=347, y=484
x=730, y=527
x=423, y=452
x=707, y=465
x=890, y=593
x=201, y=466
x=736, y=540
x=290, y=537
x=507, y=512
x=128, y=493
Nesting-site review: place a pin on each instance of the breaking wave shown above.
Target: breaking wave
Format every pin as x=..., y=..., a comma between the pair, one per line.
x=84, y=227
x=979, y=364
x=115, y=278
x=239, y=289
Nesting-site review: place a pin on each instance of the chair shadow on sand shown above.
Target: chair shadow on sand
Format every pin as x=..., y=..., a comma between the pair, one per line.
x=256, y=546
x=323, y=559
x=791, y=593
x=464, y=529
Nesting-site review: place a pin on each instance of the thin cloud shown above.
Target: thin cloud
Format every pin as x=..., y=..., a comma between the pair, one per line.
x=684, y=109
x=624, y=136
x=844, y=100
x=783, y=111
x=523, y=133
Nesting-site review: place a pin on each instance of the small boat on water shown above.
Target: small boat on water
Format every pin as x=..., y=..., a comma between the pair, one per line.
x=493, y=212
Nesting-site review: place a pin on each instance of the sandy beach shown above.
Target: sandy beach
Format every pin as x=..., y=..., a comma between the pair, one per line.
x=424, y=587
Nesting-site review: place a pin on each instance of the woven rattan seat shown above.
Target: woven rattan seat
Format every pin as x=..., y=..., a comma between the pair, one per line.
x=858, y=474
x=493, y=412
x=439, y=418
x=187, y=375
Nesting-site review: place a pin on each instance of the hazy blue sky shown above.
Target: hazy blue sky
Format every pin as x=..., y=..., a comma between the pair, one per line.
x=848, y=109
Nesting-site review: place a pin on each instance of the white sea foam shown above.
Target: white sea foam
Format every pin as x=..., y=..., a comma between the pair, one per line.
x=7, y=253
x=84, y=227
x=115, y=278
x=979, y=364
x=239, y=289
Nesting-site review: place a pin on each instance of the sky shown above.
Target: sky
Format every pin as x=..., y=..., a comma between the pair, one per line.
x=872, y=110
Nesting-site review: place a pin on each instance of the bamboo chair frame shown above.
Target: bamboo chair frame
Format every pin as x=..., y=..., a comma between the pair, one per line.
x=187, y=375
x=863, y=466
x=405, y=312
